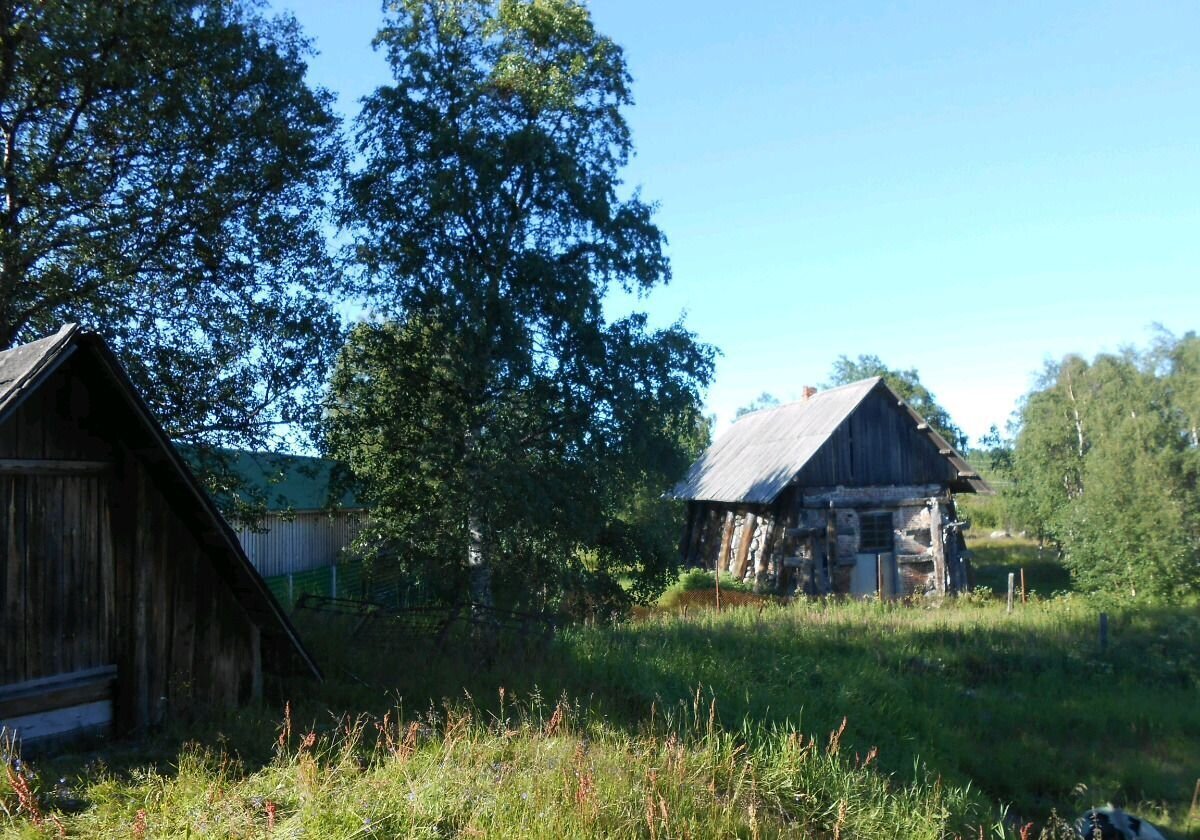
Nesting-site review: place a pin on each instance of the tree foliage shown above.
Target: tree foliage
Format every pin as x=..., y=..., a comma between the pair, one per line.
x=763, y=400
x=907, y=385
x=502, y=422
x=1106, y=464
x=164, y=170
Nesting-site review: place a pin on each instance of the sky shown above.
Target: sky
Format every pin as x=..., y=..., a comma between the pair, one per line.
x=967, y=189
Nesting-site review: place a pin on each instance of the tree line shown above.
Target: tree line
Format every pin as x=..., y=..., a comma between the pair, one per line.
x=1102, y=460
x=171, y=181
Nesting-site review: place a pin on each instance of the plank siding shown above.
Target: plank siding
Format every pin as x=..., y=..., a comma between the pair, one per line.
x=101, y=569
x=300, y=542
x=876, y=446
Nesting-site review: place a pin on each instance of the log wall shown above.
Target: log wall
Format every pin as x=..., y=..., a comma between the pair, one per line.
x=808, y=541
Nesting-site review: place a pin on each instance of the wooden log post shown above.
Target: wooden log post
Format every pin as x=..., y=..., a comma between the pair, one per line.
x=1024, y=595
x=726, y=539
x=685, y=539
x=937, y=547
x=1011, y=586
x=763, y=560
x=831, y=546
x=691, y=533
x=743, y=553
x=695, y=537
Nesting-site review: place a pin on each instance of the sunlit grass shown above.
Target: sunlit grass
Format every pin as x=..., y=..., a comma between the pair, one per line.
x=527, y=769
x=720, y=719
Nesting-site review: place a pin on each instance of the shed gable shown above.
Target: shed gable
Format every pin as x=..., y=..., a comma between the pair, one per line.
x=878, y=444
x=120, y=583
x=856, y=435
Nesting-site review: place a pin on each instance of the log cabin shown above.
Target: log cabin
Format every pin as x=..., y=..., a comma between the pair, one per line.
x=125, y=597
x=847, y=491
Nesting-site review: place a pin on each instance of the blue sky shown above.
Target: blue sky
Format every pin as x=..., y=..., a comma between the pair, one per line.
x=967, y=189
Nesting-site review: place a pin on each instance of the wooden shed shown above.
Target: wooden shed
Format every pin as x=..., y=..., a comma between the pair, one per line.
x=847, y=491
x=125, y=597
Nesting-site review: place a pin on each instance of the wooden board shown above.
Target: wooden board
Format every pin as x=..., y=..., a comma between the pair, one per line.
x=57, y=692
x=749, y=524
x=95, y=717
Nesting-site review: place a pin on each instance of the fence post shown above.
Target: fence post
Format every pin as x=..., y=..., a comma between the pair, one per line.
x=1103, y=632
x=291, y=596
x=1011, y=584
x=333, y=581
x=1024, y=596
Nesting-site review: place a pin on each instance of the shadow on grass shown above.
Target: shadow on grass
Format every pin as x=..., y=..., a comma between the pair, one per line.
x=1025, y=707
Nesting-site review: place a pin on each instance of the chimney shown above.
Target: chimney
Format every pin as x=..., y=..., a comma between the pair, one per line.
x=809, y=391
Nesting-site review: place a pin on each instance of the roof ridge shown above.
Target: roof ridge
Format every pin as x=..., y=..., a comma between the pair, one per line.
x=816, y=395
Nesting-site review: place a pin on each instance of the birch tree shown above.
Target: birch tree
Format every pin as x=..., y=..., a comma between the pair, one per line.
x=490, y=221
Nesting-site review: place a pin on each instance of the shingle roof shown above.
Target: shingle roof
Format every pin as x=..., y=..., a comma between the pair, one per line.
x=755, y=459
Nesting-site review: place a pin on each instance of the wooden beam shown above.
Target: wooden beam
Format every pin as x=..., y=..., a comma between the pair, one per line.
x=763, y=560
x=967, y=474
x=696, y=533
x=743, y=554
x=52, y=466
x=685, y=541
x=831, y=546
x=937, y=547
x=726, y=538
x=57, y=692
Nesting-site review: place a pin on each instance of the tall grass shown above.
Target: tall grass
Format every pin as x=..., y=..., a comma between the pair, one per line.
x=526, y=770
x=697, y=723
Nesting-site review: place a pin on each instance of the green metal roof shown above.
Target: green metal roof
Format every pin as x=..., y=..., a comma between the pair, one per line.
x=290, y=482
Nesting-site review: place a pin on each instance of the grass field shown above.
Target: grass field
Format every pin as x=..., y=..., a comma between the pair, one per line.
x=995, y=559
x=959, y=718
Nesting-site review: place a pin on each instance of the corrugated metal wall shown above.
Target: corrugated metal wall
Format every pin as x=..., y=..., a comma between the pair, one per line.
x=301, y=542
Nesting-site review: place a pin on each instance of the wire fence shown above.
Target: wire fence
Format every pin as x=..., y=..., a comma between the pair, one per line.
x=354, y=580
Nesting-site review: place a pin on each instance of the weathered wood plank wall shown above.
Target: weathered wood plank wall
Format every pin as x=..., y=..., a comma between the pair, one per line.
x=877, y=446
x=100, y=569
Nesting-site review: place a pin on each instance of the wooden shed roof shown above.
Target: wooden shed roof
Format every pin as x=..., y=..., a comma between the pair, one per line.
x=764, y=450
x=24, y=368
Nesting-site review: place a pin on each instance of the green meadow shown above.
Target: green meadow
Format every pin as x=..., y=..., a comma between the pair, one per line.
x=812, y=719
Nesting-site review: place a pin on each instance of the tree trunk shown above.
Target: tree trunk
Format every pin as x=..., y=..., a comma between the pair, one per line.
x=479, y=571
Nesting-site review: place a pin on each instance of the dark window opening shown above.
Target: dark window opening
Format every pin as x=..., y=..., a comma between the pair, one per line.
x=875, y=532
